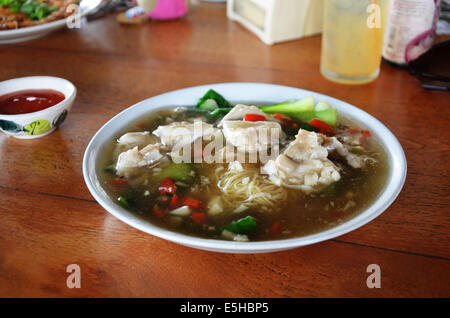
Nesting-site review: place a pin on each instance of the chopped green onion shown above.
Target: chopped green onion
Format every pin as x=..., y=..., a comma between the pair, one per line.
x=110, y=169
x=331, y=189
x=123, y=202
x=36, y=10
x=358, y=150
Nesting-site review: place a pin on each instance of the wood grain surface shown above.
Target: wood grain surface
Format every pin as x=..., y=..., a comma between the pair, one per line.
x=48, y=219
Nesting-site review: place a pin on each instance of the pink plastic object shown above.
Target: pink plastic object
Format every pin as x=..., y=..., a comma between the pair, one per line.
x=169, y=9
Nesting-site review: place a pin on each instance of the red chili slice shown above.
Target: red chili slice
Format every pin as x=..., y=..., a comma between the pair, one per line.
x=323, y=127
x=366, y=133
x=199, y=218
x=254, y=117
x=192, y=203
x=119, y=182
x=275, y=228
x=166, y=186
x=353, y=130
x=283, y=119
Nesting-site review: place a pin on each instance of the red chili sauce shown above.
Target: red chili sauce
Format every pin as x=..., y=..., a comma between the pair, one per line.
x=29, y=101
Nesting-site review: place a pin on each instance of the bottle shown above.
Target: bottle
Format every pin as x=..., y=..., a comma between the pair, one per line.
x=410, y=30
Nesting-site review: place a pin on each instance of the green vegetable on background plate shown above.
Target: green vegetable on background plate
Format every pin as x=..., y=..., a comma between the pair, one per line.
x=36, y=10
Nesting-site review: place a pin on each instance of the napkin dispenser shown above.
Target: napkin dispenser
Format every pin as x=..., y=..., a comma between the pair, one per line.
x=278, y=20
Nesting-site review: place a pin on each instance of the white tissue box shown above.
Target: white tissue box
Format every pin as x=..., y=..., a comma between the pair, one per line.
x=278, y=20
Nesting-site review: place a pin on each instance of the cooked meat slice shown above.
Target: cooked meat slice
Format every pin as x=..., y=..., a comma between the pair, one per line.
x=239, y=111
x=131, y=159
x=252, y=136
x=332, y=144
x=304, y=165
x=185, y=132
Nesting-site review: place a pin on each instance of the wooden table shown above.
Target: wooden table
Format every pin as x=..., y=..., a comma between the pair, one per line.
x=49, y=220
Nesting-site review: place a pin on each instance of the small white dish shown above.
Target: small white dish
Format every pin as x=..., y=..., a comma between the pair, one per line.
x=33, y=32
x=244, y=93
x=47, y=119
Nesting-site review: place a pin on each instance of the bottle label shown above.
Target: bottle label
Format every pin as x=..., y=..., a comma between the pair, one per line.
x=410, y=29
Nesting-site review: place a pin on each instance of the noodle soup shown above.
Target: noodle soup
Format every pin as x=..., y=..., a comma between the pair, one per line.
x=320, y=175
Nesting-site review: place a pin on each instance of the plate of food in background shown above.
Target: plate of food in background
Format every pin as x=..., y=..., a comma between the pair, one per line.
x=244, y=167
x=22, y=20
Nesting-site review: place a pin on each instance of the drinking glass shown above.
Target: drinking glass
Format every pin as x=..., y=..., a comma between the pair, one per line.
x=352, y=40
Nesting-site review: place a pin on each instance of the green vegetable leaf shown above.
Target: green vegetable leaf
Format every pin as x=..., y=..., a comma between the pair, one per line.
x=209, y=105
x=177, y=172
x=328, y=116
x=218, y=113
x=4, y=3
x=15, y=6
x=242, y=226
x=35, y=9
x=110, y=169
x=322, y=106
x=27, y=8
x=330, y=190
x=301, y=110
x=123, y=202
x=359, y=150
x=212, y=94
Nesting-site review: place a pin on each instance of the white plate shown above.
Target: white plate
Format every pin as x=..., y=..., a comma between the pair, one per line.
x=33, y=32
x=244, y=93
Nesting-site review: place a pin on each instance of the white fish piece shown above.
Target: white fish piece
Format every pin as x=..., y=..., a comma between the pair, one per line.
x=252, y=136
x=239, y=111
x=304, y=165
x=139, y=139
x=133, y=158
x=185, y=132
